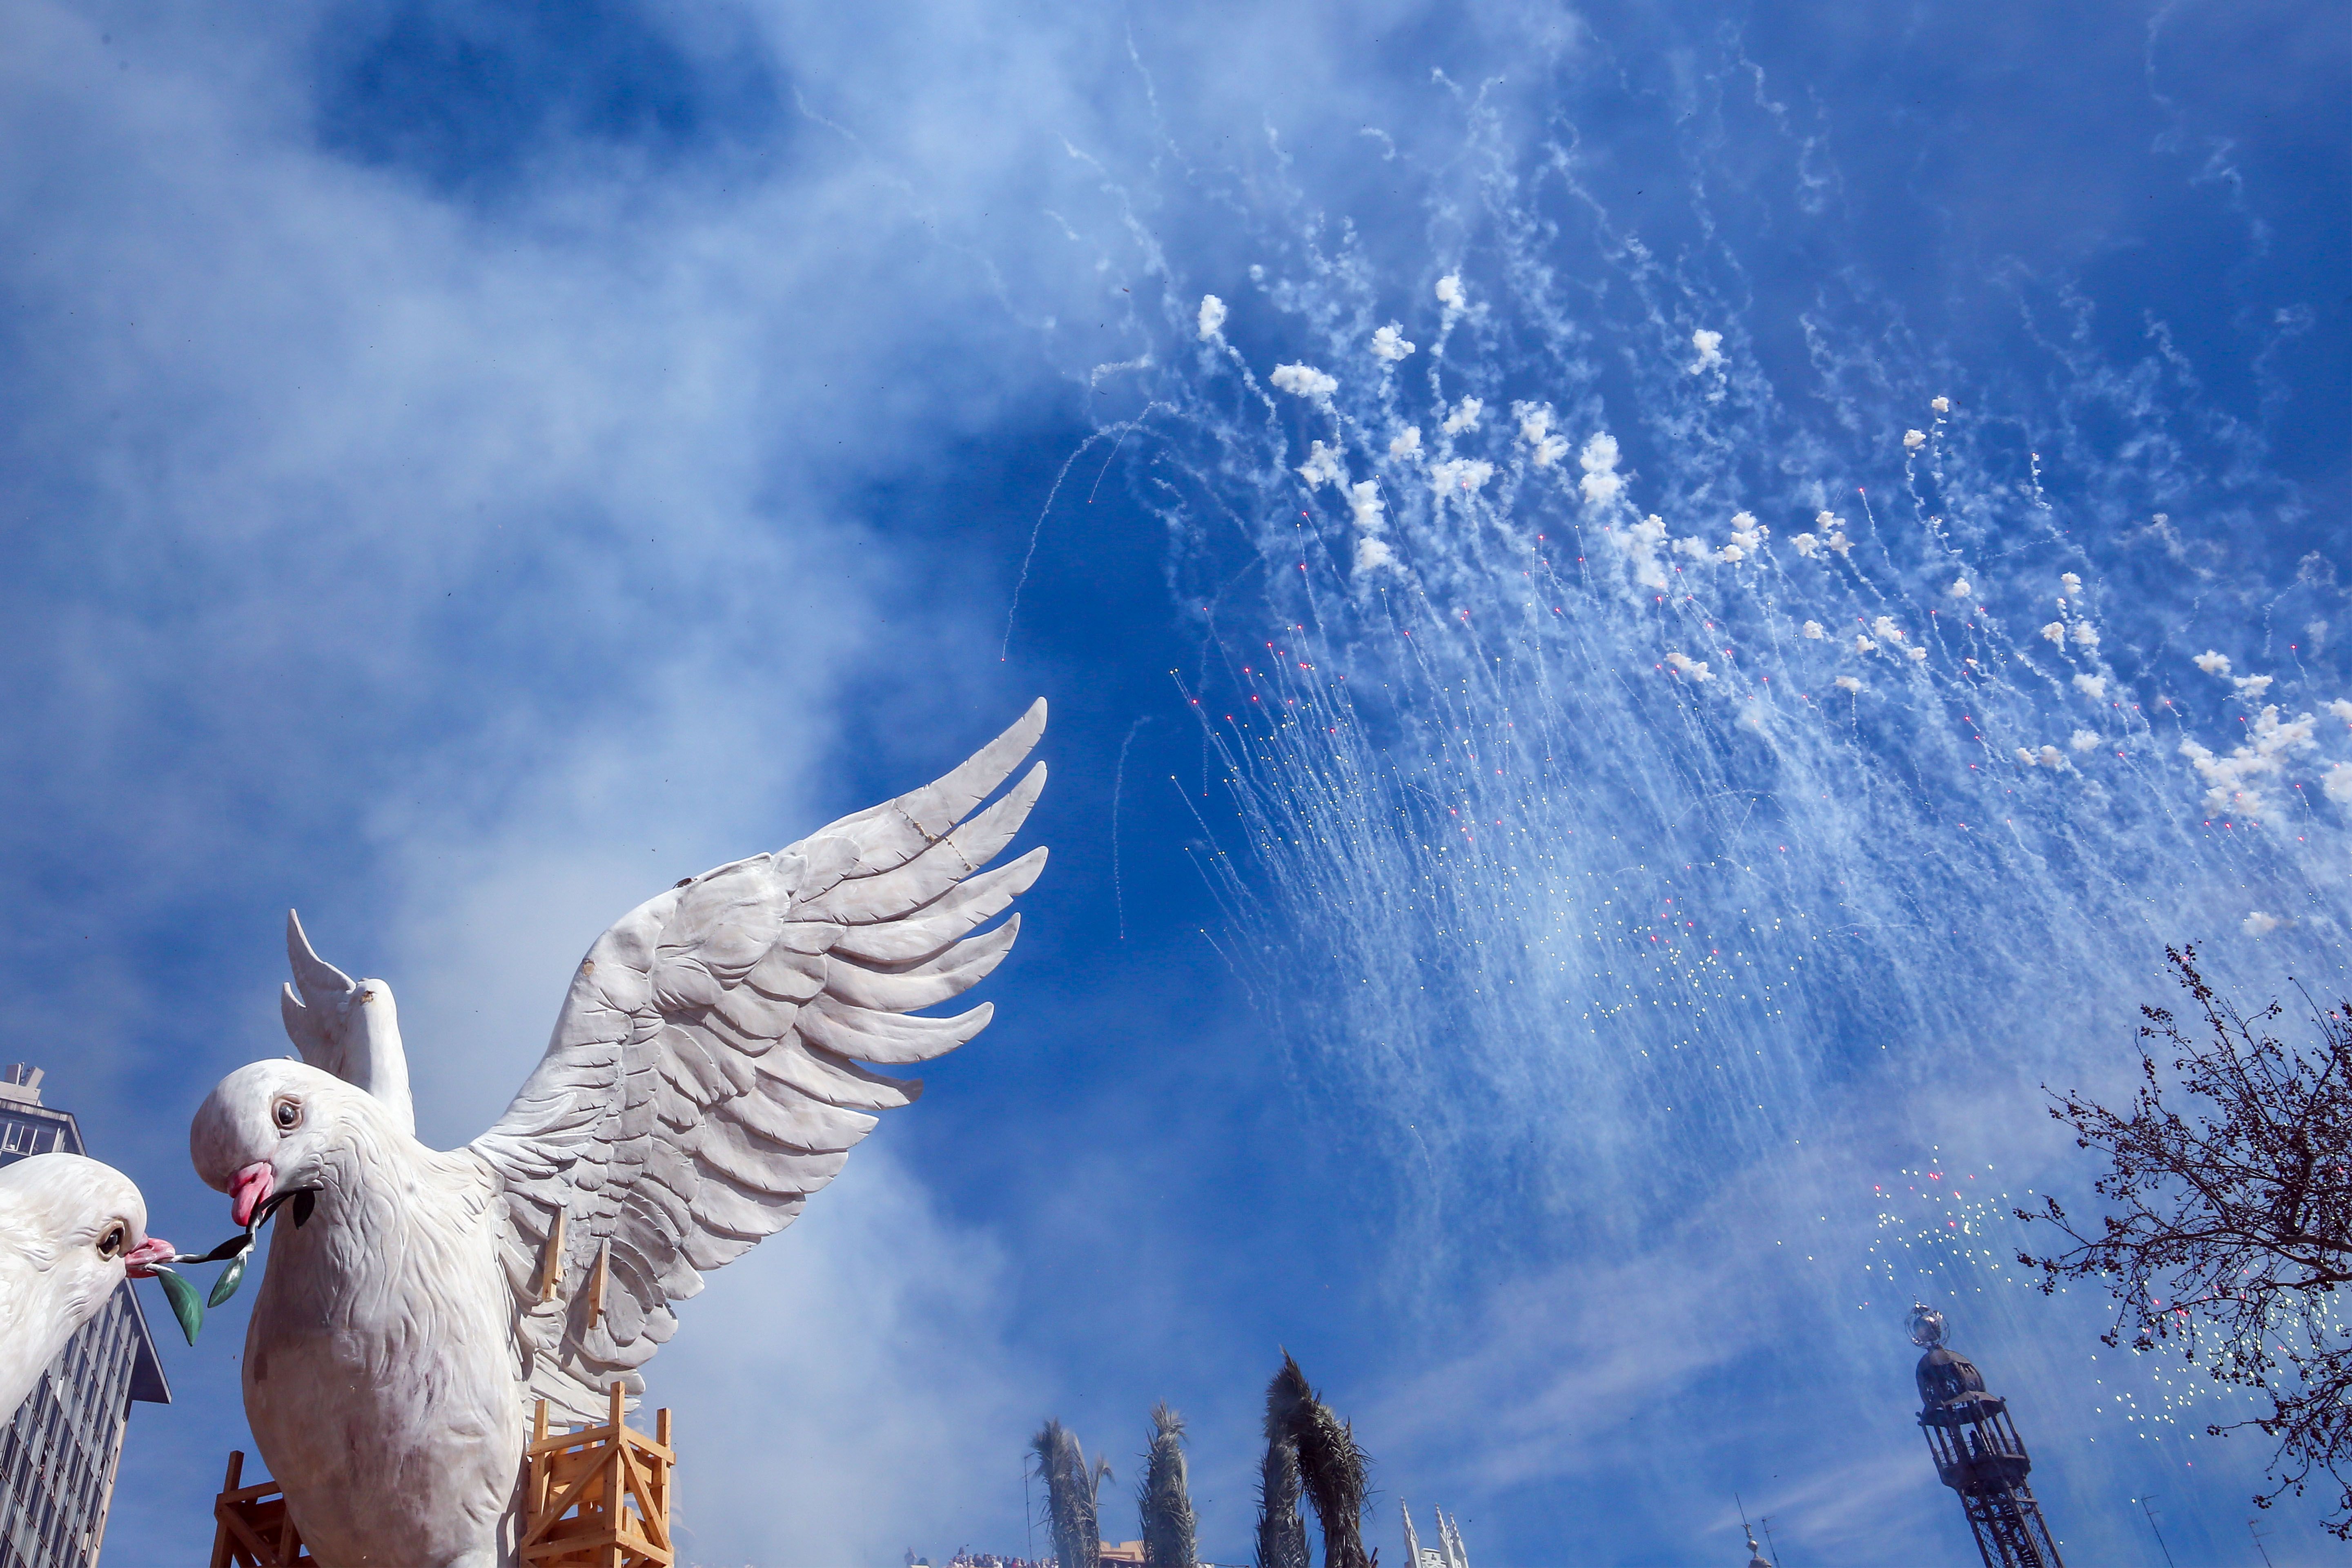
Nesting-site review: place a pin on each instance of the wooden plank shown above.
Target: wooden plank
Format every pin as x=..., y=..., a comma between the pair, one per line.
x=600, y=1496
x=548, y=1521
x=584, y=1437
x=550, y=1261
x=597, y=1280
x=222, y=1553
x=263, y=1552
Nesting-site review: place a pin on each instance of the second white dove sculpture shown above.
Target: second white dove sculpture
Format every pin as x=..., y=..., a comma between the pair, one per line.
x=703, y=1080
x=70, y=1231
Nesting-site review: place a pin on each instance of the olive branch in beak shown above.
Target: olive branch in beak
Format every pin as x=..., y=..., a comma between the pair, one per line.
x=186, y=1305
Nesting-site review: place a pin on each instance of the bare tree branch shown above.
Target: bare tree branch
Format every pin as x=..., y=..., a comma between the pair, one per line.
x=2230, y=1219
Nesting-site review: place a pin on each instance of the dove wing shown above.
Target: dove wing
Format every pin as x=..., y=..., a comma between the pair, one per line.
x=705, y=1074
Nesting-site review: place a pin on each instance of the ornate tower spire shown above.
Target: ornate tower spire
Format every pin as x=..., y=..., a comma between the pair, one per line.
x=1977, y=1452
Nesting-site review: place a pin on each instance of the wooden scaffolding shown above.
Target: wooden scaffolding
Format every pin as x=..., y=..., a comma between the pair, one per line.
x=250, y=1525
x=600, y=1496
x=597, y=1498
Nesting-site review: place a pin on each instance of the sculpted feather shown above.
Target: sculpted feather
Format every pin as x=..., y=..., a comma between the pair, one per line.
x=708, y=1071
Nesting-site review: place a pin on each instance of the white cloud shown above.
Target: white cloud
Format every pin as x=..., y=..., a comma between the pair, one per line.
x=1371, y=554
x=1695, y=668
x=1813, y=630
x=1406, y=443
x=1389, y=343
x=872, y=1303
x=1847, y=683
x=2055, y=632
x=1914, y=439
x=1364, y=508
x=447, y=525
x=2094, y=686
x=1212, y=316
x=2071, y=584
x=2337, y=782
x=2213, y=663
x=2084, y=741
x=1961, y=589
x=1450, y=292
x=1941, y=406
x=1464, y=417
x=2234, y=776
x=2257, y=923
x=1748, y=537
x=1459, y=476
x=2341, y=709
x=1322, y=466
x=1710, y=351
x=1640, y=544
x=1598, y=460
x=2253, y=687
x=1534, y=429
x=1885, y=627
x=2085, y=634
x=1832, y=537
x=1304, y=381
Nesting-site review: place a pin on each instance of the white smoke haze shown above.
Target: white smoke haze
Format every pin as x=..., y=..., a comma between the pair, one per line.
x=1303, y=381
x=1647, y=889
x=466, y=577
x=1598, y=956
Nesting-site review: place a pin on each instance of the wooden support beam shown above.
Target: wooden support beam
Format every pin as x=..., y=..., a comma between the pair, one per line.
x=598, y=1279
x=599, y=1496
x=550, y=1261
x=251, y=1526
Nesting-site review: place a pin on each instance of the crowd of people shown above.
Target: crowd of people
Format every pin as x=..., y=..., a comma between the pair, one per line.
x=967, y=1558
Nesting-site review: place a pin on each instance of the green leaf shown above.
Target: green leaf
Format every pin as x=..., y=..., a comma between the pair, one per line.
x=230, y=1278
x=185, y=1306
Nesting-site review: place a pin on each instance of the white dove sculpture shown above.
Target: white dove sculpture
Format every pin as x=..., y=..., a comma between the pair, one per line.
x=70, y=1231
x=702, y=1080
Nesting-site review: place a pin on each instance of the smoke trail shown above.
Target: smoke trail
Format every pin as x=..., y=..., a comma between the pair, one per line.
x=1606, y=791
x=1713, y=776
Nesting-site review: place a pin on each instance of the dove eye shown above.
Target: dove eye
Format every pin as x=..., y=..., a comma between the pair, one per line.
x=287, y=1114
x=111, y=1243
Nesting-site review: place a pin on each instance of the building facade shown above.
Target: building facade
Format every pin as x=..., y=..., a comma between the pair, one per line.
x=60, y=1449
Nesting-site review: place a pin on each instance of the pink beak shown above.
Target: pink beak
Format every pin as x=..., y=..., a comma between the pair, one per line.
x=249, y=1189
x=144, y=1257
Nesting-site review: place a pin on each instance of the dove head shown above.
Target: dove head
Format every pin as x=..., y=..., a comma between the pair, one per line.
x=283, y=1127
x=81, y=1225
x=348, y=1028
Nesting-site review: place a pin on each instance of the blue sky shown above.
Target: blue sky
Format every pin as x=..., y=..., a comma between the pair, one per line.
x=469, y=466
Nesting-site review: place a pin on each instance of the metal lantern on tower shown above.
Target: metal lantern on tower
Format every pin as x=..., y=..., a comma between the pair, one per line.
x=1978, y=1453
